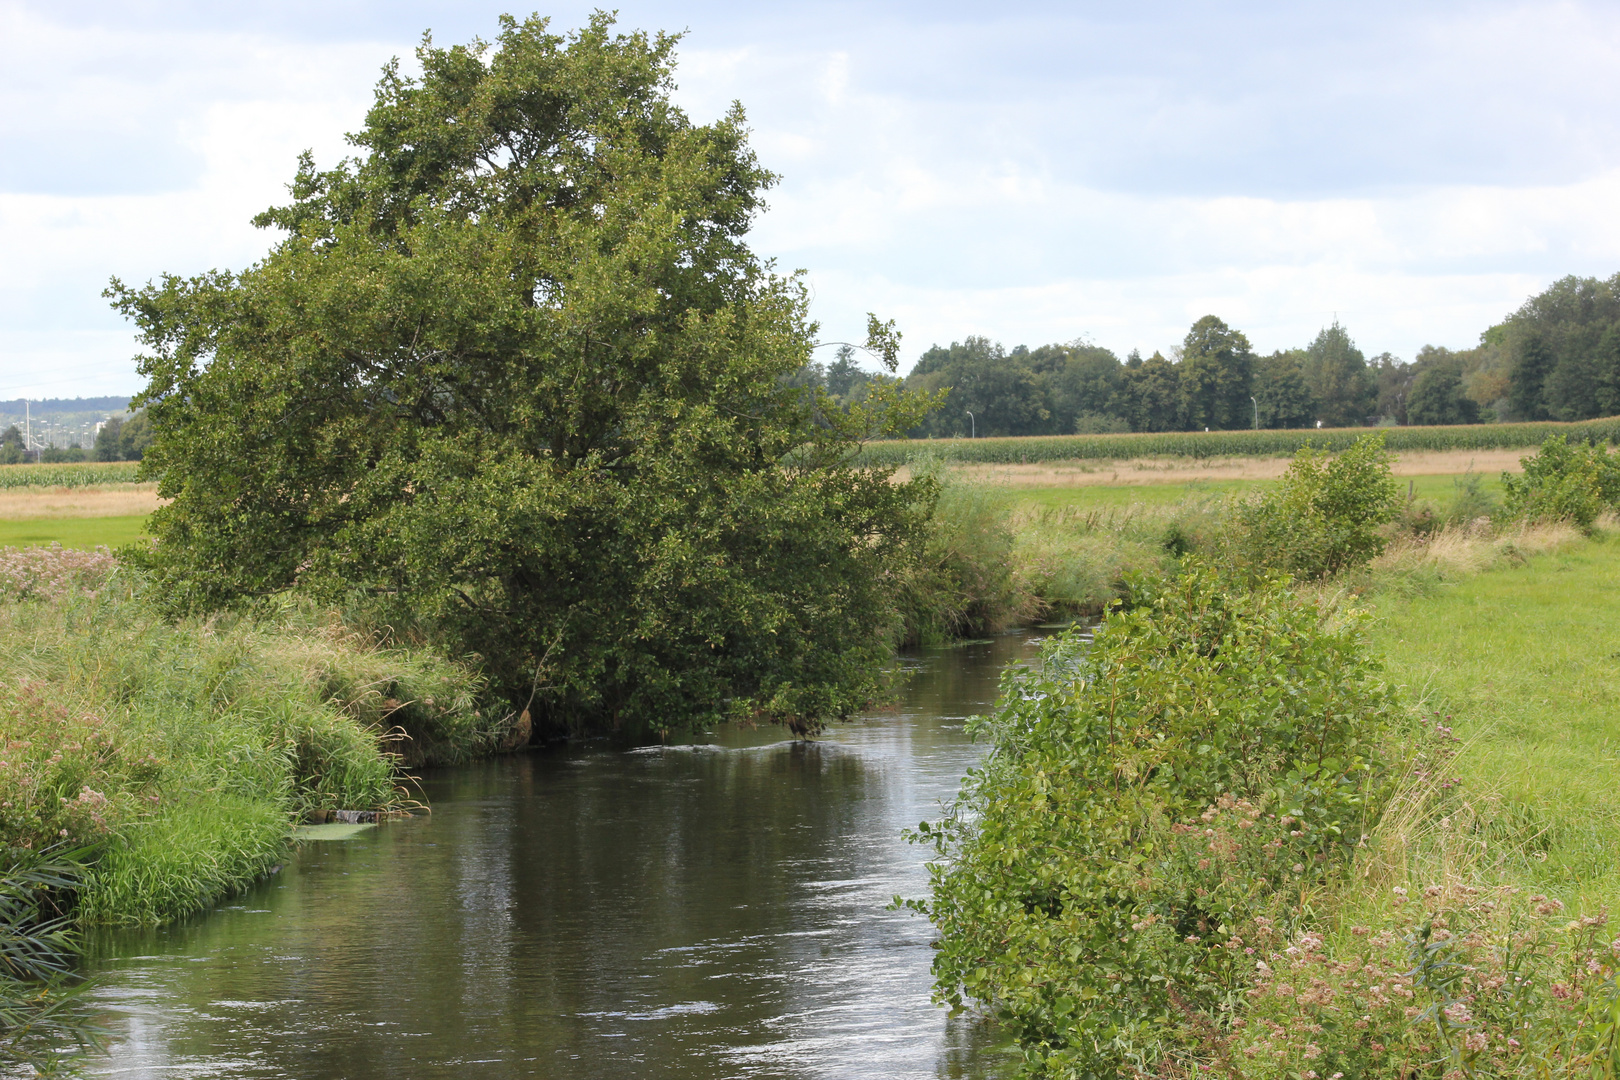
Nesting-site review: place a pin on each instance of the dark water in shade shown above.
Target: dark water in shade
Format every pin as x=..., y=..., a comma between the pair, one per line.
x=702, y=911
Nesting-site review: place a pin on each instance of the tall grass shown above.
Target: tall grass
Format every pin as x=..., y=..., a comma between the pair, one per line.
x=1217, y=444
x=68, y=474
x=992, y=561
x=187, y=750
x=39, y=1014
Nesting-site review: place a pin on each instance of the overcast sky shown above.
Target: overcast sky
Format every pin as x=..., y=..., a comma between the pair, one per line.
x=1030, y=172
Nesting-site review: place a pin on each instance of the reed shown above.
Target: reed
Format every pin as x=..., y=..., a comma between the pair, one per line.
x=185, y=751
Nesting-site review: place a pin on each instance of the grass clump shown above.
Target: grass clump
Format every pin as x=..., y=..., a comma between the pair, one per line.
x=184, y=751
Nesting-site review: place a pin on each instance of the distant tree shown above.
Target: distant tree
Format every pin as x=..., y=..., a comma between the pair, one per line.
x=1563, y=352
x=1393, y=378
x=1216, y=376
x=844, y=374
x=134, y=436
x=1346, y=392
x=108, y=441
x=1150, y=393
x=1283, y=399
x=977, y=375
x=1438, y=397
x=11, y=446
x=54, y=455
x=1087, y=382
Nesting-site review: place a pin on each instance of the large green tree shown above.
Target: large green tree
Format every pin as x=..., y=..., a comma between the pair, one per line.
x=1345, y=389
x=1563, y=352
x=1003, y=393
x=1216, y=377
x=1282, y=398
x=1150, y=392
x=1437, y=396
x=515, y=371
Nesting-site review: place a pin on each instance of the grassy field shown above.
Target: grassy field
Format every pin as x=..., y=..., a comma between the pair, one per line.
x=1439, y=490
x=72, y=532
x=1527, y=661
x=1198, y=445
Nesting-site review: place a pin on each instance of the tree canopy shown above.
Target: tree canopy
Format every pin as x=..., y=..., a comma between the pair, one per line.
x=514, y=373
x=1563, y=351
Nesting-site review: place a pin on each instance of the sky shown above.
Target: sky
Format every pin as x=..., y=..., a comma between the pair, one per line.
x=1031, y=172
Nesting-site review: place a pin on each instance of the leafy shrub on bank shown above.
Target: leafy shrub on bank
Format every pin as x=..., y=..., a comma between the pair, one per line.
x=1149, y=803
x=964, y=585
x=1563, y=482
x=1324, y=515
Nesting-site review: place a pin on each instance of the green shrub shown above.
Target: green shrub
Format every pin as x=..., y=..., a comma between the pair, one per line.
x=1324, y=515
x=1563, y=482
x=964, y=584
x=1149, y=804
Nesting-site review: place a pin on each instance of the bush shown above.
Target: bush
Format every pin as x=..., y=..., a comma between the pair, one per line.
x=1149, y=804
x=1563, y=482
x=1324, y=515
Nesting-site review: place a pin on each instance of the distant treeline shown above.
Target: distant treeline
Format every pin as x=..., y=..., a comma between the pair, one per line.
x=120, y=439
x=44, y=406
x=1556, y=358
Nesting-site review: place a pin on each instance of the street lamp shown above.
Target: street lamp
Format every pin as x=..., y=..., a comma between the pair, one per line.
x=1256, y=413
x=973, y=425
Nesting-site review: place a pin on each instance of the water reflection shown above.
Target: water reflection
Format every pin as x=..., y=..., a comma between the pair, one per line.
x=701, y=911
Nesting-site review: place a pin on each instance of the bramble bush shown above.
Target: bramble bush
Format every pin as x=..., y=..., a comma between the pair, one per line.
x=1324, y=516
x=1563, y=482
x=1150, y=801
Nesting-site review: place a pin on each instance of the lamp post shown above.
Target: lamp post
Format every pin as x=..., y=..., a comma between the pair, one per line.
x=973, y=425
x=1256, y=413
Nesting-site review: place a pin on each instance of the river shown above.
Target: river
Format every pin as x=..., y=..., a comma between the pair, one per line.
x=712, y=910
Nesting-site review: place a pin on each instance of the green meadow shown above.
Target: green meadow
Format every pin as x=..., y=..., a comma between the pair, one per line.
x=71, y=532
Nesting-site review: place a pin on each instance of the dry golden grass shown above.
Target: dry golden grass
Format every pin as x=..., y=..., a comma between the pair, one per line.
x=1467, y=550
x=111, y=500
x=1148, y=471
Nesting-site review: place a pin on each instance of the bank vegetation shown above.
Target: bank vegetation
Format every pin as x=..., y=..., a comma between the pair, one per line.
x=1221, y=840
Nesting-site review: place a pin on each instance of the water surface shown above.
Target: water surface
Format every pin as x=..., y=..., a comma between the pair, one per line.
x=712, y=910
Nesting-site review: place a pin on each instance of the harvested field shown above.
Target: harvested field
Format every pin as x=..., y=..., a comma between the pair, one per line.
x=1180, y=470
x=106, y=500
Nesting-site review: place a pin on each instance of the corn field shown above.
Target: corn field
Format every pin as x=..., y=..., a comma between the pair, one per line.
x=68, y=474
x=1217, y=444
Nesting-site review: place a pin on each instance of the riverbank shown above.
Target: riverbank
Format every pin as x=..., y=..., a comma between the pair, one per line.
x=180, y=754
x=1520, y=662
